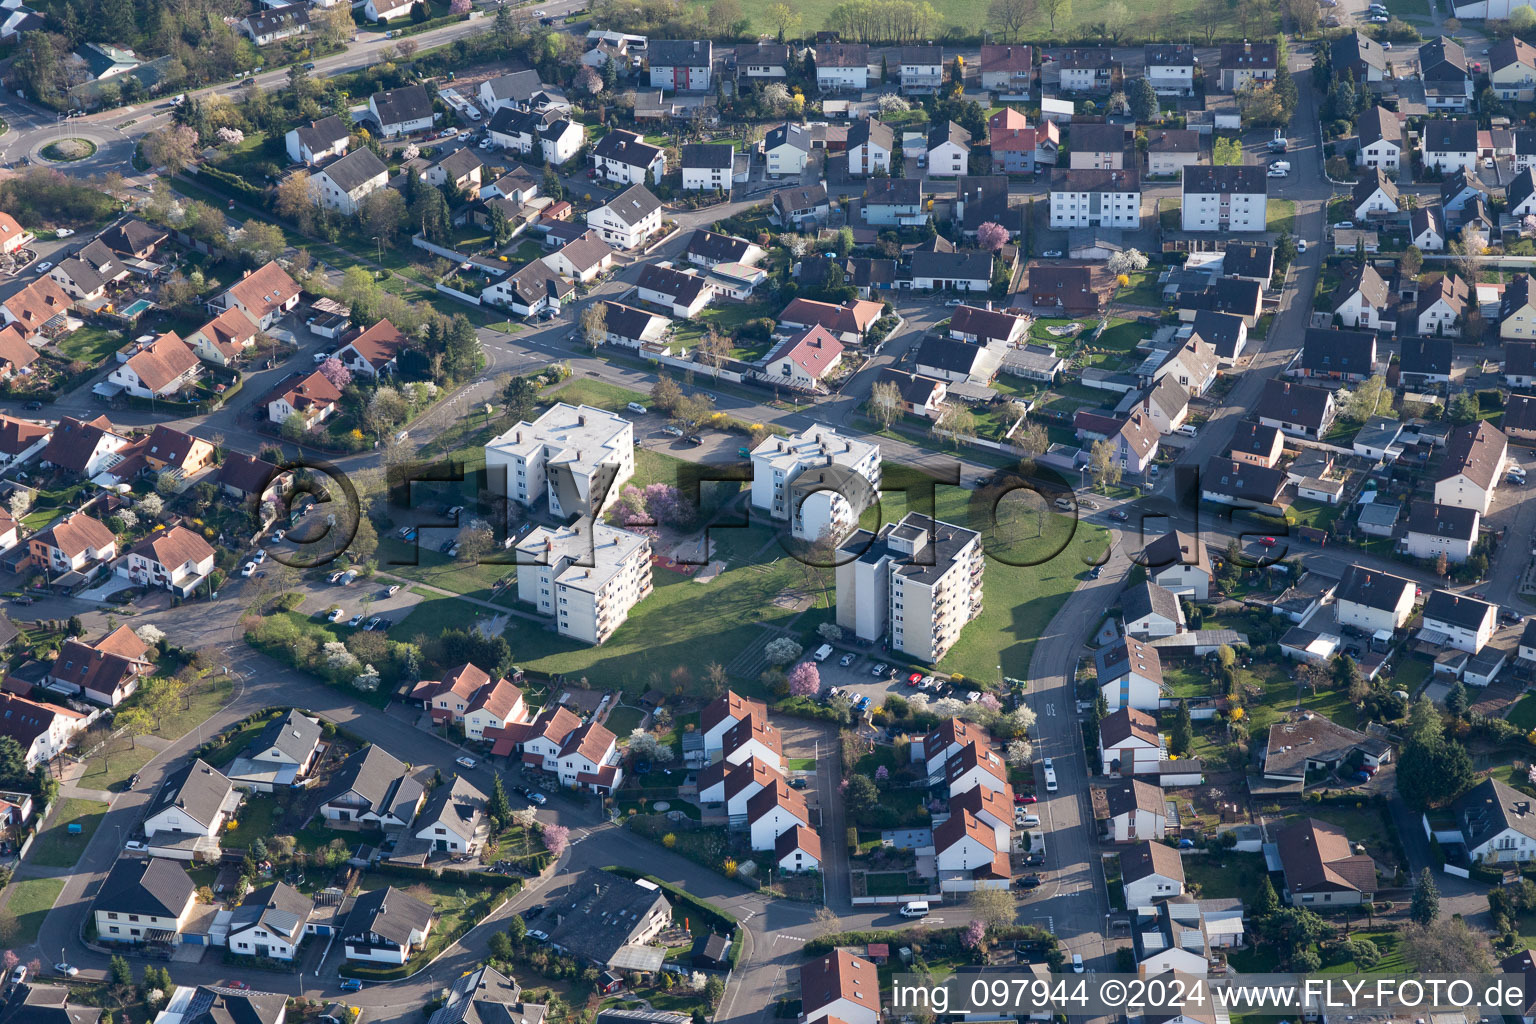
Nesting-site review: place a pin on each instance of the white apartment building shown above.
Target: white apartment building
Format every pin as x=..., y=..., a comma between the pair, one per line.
x=918, y=580
x=586, y=576
x=577, y=456
x=1227, y=199
x=817, y=479
x=1096, y=198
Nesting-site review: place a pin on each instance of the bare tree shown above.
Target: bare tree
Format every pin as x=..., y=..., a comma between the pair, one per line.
x=885, y=402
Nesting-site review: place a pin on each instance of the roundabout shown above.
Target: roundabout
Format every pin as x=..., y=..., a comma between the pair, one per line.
x=68, y=151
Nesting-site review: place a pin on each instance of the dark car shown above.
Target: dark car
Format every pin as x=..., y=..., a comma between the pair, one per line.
x=33, y=405
x=533, y=912
x=1030, y=882
x=694, y=439
x=797, y=783
x=133, y=780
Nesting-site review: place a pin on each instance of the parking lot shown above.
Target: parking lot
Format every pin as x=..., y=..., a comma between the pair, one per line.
x=858, y=678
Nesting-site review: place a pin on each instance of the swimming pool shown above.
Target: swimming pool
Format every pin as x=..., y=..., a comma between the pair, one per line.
x=136, y=307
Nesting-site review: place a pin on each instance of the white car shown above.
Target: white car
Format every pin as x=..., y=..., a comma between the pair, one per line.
x=394, y=588
x=136, y=845
x=447, y=133
x=66, y=232
x=336, y=615
x=44, y=267
x=248, y=569
x=1301, y=245
x=356, y=620
x=955, y=302
x=1077, y=963
x=465, y=762
x=1344, y=225
x=68, y=970
x=1052, y=254
x=260, y=556
x=539, y=935
x=278, y=535
x=19, y=975
x=1387, y=45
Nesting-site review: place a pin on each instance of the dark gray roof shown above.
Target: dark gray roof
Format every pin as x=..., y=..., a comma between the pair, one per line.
x=486, y=996
x=1246, y=179
x=684, y=288
x=157, y=887
x=459, y=163
x=893, y=191
x=1520, y=357
x=1379, y=124
x=922, y=54
x=293, y=734
x=389, y=914
x=625, y=321
x=279, y=908
x=1248, y=259
x=1147, y=858
x=1372, y=179
x=715, y=247
x=871, y=130
x=1249, y=55
x=1427, y=356
x=626, y=148
x=601, y=914
x=1443, y=60
x=133, y=235
x=1372, y=588
x=512, y=121
x=1425, y=218
x=322, y=134
x=1355, y=53
x=1460, y=181
x=1168, y=55
x=1330, y=351
x=197, y=789
x=1293, y=403
x=586, y=251
x=678, y=53
x=1457, y=609
x=950, y=132
x=1098, y=179
x=1520, y=414
x=1149, y=599
x=277, y=19
x=350, y=171
x=970, y=265
x=377, y=776
x=945, y=354
x=1442, y=521
x=915, y=388
x=535, y=281
x=1362, y=278
x=1219, y=330
x=796, y=135
x=34, y=1003
x=788, y=200
x=1451, y=136
x=397, y=106
x=634, y=204
x=227, y=1006
x=761, y=54
x=714, y=155
x=1489, y=808
x=1520, y=189
x=519, y=86
x=1097, y=138
x=864, y=273
x=1242, y=480
x=1236, y=295
x=457, y=804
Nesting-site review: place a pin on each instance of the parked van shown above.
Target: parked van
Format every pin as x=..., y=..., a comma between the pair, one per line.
x=1064, y=504
x=1189, y=430
x=636, y=408
x=823, y=652
x=1050, y=780
x=916, y=908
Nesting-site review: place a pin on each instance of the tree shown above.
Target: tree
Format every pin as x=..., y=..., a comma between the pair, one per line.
x=774, y=96
x=295, y=200
x=1410, y=262
x=556, y=838
x=885, y=402
x=120, y=972
x=1463, y=409
x=1468, y=249
x=665, y=394
x=1425, y=907
x=259, y=242
x=1104, y=464
x=782, y=650
x=713, y=348
x=1522, y=20
x=174, y=148
x=1433, y=771
x=974, y=935
x=1266, y=902
x=861, y=798
x=1127, y=261
x=519, y=396
x=333, y=370
x=991, y=236
x=955, y=421
x=783, y=17
x=1449, y=947
x=993, y=907
x=1010, y=16
x=1226, y=152
x=1372, y=396
x=380, y=215
x=498, y=806
x=1055, y=9
x=136, y=722
x=1183, y=735
x=1456, y=700
x=594, y=325
x=1143, y=99
x=805, y=680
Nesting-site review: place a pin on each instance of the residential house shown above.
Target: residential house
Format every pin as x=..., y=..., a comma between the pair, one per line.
x=282, y=754
x=265, y=295
x=482, y=996
x=1379, y=132
x=1519, y=359
x=1362, y=298
x=1226, y=333
x=774, y=810
x=1309, y=742
x=1512, y=70
x=275, y=25
x=842, y=66
x=159, y=370
x=106, y=670
x=586, y=576
x=847, y=322
x=185, y=817
x=1098, y=147
x=682, y=65
x=374, y=352
x=1496, y=824
x=1520, y=418
x=21, y=440
x=956, y=361
x=1520, y=194
x=1450, y=145
x=1133, y=438
x=1170, y=68
x=1320, y=865
x=453, y=819
x=1425, y=361
x=1240, y=484
x=1151, y=872
x=787, y=148
x=1245, y=63
x=949, y=150
x=86, y=275
x=1426, y=228
x=724, y=714
x=318, y=141
x=225, y=339
x=177, y=559
x=312, y=399
x=1474, y=460
x=1087, y=70
x=1179, y=563
x=966, y=850
x=682, y=293
x=385, y=926
x=1461, y=192
x=797, y=207
x=72, y=544
x=839, y=986
x=612, y=922
x=1226, y=199
x=143, y=901
x=1443, y=70
x=270, y=922
x=1019, y=147
x=372, y=787
x=709, y=249
x=806, y=359
x=1137, y=811
x=797, y=851
x=870, y=146
x=40, y=308
x=708, y=166
x=1297, y=409
x=44, y=731
x=83, y=447
x=1371, y=600
x=1517, y=320
x=521, y=90
x=1336, y=355
x=1007, y=70
x=1096, y=199
x=967, y=271
x=460, y=170
x=16, y=356
x=920, y=395
x=530, y=290
x=987, y=326
x=1374, y=194
x=1129, y=743
x=1151, y=611
x=1129, y=674
x=1457, y=621
x=624, y=158
x=922, y=70
x=1360, y=56
x=547, y=136
x=402, y=111
x=1258, y=444
x=762, y=62
x=627, y=219
x=582, y=259
x=1171, y=150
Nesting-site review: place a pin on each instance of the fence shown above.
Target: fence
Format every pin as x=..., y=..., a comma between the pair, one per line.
x=1452, y=869
x=884, y=901
x=473, y=300
x=438, y=250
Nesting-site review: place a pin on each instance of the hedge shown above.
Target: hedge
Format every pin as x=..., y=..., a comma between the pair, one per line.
x=716, y=918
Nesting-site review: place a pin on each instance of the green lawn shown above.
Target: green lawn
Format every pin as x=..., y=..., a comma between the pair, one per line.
x=425, y=565
x=111, y=766
x=91, y=344
x=54, y=847
x=1281, y=215
x=28, y=903
x=801, y=764
x=1386, y=940
x=1314, y=514
x=624, y=720
x=253, y=821
x=1143, y=289
x=1523, y=714
x=596, y=393
x=1121, y=335
x=1227, y=874
x=435, y=614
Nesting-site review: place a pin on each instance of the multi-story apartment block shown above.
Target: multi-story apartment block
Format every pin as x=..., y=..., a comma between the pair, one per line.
x=817, y=479
x=576, y=455
x=1096, y=199
x=918, y=580
x=587, y=576
x=1225, y=198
